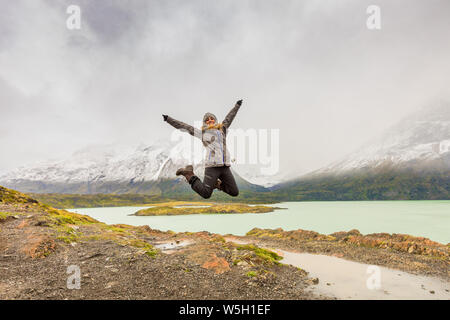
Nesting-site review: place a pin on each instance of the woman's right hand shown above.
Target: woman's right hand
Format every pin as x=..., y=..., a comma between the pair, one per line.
x=165, y=117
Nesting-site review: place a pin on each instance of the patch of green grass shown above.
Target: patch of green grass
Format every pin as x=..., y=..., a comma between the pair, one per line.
x=252, y=274
x=63, y=217
x=115, y=228
x=218, y=238
x=214, y=208
x=266, y=255
x=147, y=247
x=4, y=215
x=65, y=223
x=67, y=234
x=10, y=196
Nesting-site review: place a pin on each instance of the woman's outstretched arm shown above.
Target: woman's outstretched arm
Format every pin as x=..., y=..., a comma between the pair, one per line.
x=230, y=116
x=183, y=126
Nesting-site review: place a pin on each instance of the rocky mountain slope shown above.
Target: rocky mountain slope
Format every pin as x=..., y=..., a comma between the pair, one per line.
x=112, y=169
x=422, y=139
x=410, y=161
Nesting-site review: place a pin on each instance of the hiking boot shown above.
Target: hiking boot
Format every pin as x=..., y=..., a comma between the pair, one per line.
x=218, y=184
x=187, y=172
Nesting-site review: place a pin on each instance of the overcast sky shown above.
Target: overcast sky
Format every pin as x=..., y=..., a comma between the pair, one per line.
x=309, y=68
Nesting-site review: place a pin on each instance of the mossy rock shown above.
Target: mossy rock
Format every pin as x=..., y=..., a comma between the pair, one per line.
x=213, y=208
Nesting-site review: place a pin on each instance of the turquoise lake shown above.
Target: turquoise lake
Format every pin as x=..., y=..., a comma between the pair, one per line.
x=430, y=219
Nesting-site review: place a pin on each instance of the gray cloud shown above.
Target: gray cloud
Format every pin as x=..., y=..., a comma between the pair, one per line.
x=310, y=68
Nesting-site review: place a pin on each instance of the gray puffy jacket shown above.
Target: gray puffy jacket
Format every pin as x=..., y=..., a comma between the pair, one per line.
x=214, y=139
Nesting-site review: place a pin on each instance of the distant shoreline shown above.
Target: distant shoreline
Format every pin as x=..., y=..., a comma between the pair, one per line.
x=77, y=201
x=189, y=207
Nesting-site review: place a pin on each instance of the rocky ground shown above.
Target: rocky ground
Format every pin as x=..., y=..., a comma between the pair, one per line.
x=39, y=243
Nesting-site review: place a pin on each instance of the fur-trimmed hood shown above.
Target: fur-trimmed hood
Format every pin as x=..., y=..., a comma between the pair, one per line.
x=207, y=115
x=215, y=126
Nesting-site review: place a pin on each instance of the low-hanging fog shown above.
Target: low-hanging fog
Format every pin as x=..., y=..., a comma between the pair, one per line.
x=311, y=69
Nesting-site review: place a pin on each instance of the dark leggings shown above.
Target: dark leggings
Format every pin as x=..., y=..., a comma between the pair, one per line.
x=206, y=188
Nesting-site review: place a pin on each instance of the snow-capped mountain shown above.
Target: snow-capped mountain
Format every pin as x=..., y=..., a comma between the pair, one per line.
x=423, y=138
x=410, y=161
x=113, y=168
x=109, y=163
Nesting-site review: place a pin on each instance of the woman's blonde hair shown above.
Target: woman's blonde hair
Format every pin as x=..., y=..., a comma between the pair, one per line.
x=217, y=126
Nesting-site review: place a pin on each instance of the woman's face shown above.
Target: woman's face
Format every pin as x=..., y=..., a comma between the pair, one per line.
x=210, y=121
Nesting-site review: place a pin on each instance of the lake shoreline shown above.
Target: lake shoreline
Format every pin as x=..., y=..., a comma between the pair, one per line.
x=430, y=219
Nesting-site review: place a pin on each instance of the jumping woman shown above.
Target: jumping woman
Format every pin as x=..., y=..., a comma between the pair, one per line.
x=217, y=161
